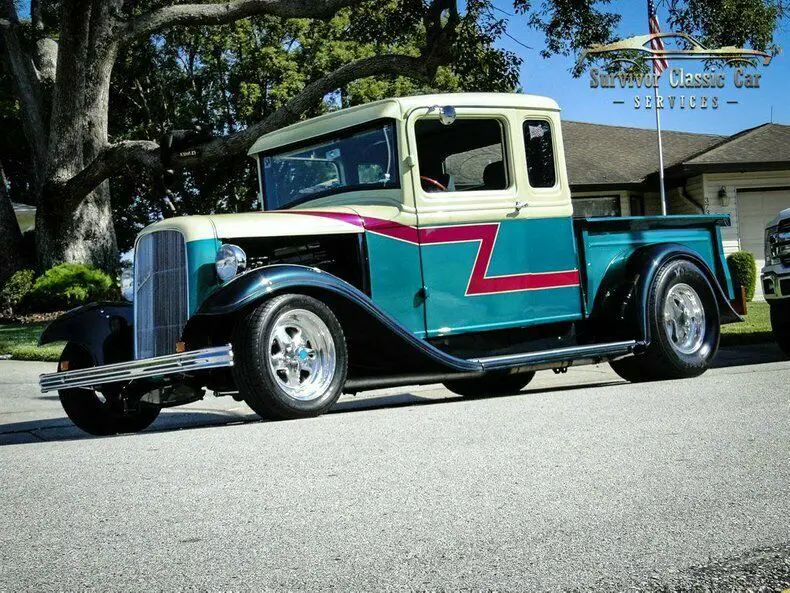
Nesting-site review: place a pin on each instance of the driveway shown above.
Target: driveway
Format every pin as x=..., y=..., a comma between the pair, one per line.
x=580, y=482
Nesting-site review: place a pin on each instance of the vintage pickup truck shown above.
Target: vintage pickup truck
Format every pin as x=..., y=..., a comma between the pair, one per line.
x=776, y=277
x=413, y=240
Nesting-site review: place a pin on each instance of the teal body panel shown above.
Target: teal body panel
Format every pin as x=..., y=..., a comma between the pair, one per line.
x=396, y=280
x=521, y=246
x=201, y=256
x=606, y=251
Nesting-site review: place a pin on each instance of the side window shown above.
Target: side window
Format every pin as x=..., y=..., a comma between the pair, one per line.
x=540, y=153
x=468, y=155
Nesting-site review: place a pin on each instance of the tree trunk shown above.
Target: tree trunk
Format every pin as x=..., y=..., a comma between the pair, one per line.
x=84, y=233
x=10, y=236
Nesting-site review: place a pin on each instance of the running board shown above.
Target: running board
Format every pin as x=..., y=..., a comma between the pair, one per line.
x=517, y=363
x=561, y=357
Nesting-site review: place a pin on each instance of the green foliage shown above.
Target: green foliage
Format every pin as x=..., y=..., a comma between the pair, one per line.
x=15, y=290
x=570, y=26
x=233, y=75
x=743, y=270
x=68, y=285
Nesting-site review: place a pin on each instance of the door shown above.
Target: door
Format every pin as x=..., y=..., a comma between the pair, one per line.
x=755, y=210
x=496, y=237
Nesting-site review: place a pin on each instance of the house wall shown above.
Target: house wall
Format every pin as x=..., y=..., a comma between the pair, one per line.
x=732, y=182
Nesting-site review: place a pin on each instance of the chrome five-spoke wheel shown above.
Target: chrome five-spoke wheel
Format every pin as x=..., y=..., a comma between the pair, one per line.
x=302, y=354
x=684, y=319
x=291, y=358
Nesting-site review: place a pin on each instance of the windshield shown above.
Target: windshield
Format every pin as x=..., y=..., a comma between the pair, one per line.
x=365, y=158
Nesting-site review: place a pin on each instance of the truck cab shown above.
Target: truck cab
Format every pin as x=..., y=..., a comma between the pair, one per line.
x=418, y=239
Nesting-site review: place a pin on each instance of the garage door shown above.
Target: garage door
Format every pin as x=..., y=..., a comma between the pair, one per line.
x=755, y=210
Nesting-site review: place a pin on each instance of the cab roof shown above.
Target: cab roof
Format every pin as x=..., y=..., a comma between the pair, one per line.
x=398, y=109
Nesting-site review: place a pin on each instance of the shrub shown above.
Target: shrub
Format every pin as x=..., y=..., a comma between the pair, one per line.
x=15, y=290
x=68, y=285
x=743, y=270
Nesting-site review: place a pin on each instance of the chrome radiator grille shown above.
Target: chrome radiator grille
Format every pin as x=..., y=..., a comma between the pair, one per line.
x=161, y=299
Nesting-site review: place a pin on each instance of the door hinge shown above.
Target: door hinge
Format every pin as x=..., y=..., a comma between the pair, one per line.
x=422, y=293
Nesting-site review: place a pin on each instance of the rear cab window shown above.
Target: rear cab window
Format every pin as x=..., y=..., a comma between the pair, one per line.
x=539, y=148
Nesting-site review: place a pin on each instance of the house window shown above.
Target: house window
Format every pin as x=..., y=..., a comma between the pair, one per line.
x=468, y=155
x=596, y=206
x=540, y=153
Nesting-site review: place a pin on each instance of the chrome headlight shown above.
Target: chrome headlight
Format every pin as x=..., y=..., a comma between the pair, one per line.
x=127, y=284
x=231, y=260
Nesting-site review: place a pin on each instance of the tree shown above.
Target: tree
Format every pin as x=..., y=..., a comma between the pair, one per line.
x=63, y=88
x=231, y=76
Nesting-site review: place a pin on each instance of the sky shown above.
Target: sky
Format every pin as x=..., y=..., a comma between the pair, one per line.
x=551, y=77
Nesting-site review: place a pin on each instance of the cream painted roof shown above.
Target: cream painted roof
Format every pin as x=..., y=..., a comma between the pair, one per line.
x=395, y=109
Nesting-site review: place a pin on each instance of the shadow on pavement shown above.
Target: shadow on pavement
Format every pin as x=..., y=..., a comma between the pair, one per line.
x=733, y=356
x=61, y=429
x=173, y=419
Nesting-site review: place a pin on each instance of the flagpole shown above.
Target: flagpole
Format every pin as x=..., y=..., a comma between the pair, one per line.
x=660, y=153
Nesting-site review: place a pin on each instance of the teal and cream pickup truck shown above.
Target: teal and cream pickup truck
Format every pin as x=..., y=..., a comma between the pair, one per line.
x=415, y=240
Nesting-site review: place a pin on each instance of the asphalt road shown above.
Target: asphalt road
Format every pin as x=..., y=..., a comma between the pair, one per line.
x=580, y=482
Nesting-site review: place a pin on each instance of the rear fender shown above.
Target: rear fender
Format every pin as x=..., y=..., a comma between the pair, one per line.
x=376, y=340
x=623, y=297
x=104, y=330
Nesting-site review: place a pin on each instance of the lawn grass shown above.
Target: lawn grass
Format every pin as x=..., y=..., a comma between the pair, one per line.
x=755, y=329
x=21, y=342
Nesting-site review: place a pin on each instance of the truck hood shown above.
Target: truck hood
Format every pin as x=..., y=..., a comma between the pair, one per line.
x=319, y=221
x=783, y=215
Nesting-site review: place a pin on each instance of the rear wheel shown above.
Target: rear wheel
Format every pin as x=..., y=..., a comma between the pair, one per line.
x=492, y=384
x=101, y=413
x=291, y=358
x=683, y=318
x=780, y=324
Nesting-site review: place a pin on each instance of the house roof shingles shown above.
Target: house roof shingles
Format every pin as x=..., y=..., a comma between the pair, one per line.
x=766, y=143
x=599, y=154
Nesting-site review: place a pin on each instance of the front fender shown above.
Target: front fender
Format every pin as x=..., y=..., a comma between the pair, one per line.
x=624, y=294
x=358, y=314
x=102, y=329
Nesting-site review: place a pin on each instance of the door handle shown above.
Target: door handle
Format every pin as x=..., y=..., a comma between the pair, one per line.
x=520, y=205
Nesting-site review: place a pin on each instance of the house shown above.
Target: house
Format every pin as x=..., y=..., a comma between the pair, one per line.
x=613, y=171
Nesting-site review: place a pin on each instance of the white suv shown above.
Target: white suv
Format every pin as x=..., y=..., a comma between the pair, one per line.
x=776, y=277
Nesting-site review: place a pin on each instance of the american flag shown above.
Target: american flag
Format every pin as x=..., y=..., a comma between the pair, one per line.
x=656, y=44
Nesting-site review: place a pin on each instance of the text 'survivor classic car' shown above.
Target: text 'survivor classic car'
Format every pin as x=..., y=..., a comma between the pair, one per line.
x=425, y=239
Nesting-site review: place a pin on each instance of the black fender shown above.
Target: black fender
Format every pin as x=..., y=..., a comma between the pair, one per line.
x=379, y=336
x=623, y=296
x=104, y=330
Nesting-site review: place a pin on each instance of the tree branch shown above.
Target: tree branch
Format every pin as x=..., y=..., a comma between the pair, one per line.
x=108, y=163
x=238, y=144
x=228, y=12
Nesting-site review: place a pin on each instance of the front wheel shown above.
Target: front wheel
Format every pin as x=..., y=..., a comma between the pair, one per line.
x=683, y=319
x=101, y=413
x=291, y=358
x=492, y=384
x=780, y=324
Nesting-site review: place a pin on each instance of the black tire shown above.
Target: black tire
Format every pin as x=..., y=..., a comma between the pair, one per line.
x=254, y=345
x=100, y=414
x=663, y=359
x=780, y=325
x=492, y=384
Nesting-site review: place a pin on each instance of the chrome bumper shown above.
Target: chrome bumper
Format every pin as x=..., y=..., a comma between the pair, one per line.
x=160, y=366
